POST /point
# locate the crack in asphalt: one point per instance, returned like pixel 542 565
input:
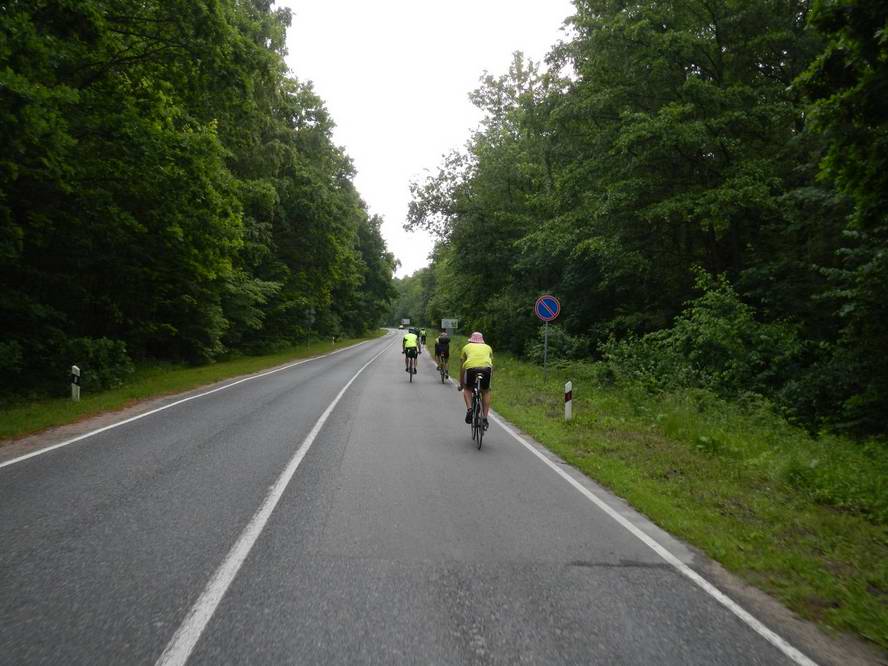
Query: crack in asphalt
pixel 622 564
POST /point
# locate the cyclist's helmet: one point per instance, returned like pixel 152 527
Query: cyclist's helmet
pixel 476 337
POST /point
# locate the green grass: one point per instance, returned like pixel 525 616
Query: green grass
pixel 149 381
pixel 803 519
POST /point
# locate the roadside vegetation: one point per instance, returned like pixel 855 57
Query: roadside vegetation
pixel 803 518
pixel 169 192
pixel 150 381
pixel 666 151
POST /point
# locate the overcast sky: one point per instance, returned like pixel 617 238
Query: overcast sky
pixel 395 75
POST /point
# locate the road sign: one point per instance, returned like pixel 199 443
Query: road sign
pixel 406 322
pixel 449 323
pixel 547 307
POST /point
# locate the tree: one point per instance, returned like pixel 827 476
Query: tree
pixel 848 83
pixel 164 184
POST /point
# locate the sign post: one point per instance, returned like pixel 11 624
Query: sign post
pixel 546 353
pixel 75 383
pixel 547 308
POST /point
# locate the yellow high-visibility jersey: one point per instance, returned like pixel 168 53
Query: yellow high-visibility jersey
pixel 477 355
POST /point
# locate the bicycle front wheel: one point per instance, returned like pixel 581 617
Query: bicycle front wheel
pixel 477 428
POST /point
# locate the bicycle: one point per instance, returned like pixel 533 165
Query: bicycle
pixel 477 412
pixel 442 368
pixel 411 366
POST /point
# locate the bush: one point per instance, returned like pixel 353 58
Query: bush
pixel 562 346
pixel 103 363
pixel 716 344
pixel 505 322
pixel 11 357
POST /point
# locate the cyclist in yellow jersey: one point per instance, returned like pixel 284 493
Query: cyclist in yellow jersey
pixel 477 359
pixel 409 347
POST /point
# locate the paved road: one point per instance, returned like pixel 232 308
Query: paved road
pixel 395 541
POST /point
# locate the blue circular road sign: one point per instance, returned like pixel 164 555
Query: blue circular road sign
pixel 547 307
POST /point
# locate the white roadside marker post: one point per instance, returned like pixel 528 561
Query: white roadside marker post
pixel 75 383
pixel 568 401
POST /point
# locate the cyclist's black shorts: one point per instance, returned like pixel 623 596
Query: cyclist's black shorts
pixel 485 377
pixel 442 351
pixel 411 352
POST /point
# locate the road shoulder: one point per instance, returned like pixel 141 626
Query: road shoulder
pixel 824 648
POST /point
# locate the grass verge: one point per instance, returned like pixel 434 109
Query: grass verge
pixel 803 519
pixel 149 381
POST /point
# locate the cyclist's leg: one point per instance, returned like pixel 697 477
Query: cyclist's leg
pixel 486 395
pixel 467 395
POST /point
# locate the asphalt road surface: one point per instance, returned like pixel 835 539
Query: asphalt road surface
pixel 389 539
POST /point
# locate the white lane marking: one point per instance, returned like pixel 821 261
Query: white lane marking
pixel 173 404
pixel 183 641
pixel 794 654
pixel 775 640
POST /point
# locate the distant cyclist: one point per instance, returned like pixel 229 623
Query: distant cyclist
pixel 442 349
pixel 409 347
pixel 477 359
pixel 422 337
pixel 415 332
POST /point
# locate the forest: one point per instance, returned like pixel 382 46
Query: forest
pixel 169 190
pixel 703 184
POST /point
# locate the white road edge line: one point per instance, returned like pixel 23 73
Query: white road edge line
pixel 775 640
pixel 183 641
pixel 794 654
pixel 173 404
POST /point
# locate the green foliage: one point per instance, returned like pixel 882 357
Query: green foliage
pixel 164 183
pixel 669 136
pixel 716 343
pixel 104 364
pixel 562 346
pixel 847 84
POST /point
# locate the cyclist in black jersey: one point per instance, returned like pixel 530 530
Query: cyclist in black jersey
pixel 442 349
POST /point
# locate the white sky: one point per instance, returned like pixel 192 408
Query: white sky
pixel 395 76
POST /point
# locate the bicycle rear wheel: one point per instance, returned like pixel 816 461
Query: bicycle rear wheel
pixel 410 365
pixel 472 425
